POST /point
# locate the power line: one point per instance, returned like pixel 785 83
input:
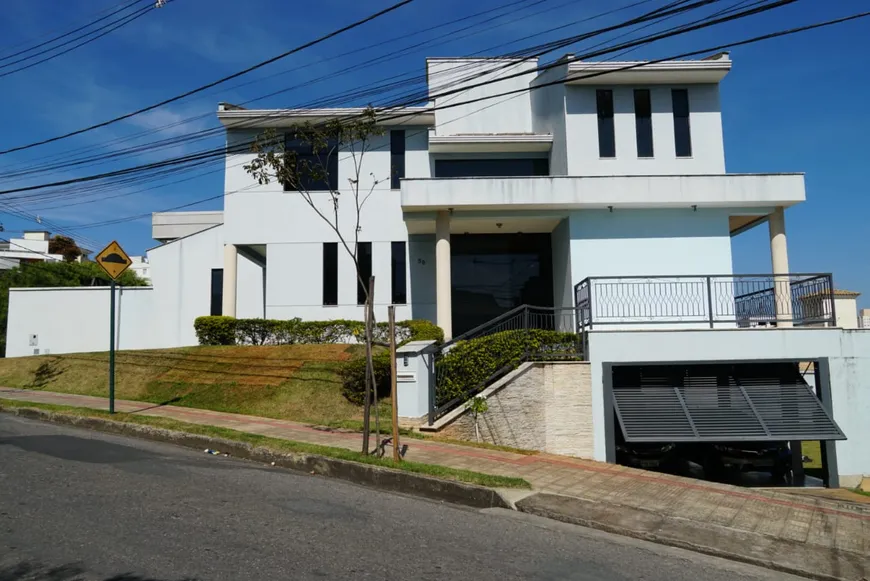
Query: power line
pixel 203 156
pixel 706 50
pixel 671 9
pixel 103 31
pixel 170 142
pixel 214 83
pixel 71 32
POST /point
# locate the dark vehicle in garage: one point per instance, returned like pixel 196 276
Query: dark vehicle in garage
pixel 646 455
pixel 727 459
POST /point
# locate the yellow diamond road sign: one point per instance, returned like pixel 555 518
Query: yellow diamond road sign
pixel 114 260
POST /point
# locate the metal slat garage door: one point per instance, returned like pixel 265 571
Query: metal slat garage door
pixel 719 404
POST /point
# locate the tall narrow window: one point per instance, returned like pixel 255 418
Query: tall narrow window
pixel 643 122
pixel 398 269
pixel 364 257
pixel 397 158
pixel 217 292
pixel 315 172
pixel 606 135
pixel 682 128
pixel 330 273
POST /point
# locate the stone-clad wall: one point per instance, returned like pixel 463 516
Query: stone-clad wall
pixel 543 406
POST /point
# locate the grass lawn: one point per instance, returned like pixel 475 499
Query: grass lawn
pixel 293 382
pixel 280 445
pixel 288 382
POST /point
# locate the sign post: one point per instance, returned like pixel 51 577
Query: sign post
pixel 114 261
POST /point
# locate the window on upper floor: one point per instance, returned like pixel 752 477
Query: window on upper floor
pixel 330 273
pixel 399 274
pixel 491 168
pixel 217 292
pixel 397 158
pixel 316 172
pixel 643 122
pixel 606 131
pixel 364 258
pixel 682 127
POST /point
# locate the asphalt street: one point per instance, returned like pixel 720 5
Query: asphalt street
pixel 79 505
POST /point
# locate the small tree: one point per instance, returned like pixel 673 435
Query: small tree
pixel 66 247
pixel 477 406
pixel 304 160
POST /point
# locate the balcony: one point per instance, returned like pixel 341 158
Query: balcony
pixel 692 302
pixel 570 193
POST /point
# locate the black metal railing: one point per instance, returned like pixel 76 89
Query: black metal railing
pixel 713 301
pixel 516 327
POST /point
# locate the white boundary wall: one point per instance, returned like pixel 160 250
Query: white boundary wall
pixel 76 320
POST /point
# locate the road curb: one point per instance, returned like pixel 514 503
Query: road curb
pixel 365 474
pixel 781 555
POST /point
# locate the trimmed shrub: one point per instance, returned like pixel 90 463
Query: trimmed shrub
pixel 215 330
pixel 256 331
pixel 464 369
pixel 353 377
pixel 230 331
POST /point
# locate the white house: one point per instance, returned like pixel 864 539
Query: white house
pixel 595 186
pixel 33 247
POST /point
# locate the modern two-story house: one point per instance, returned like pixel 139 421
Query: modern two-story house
pixel 595 191
pixel 512 200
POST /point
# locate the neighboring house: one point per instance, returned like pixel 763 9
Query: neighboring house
pixel 865 318
pixel 604 200
pixel 141 267
pixel 845 308
pixel 32 248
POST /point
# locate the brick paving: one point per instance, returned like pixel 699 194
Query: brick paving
pixel 810 519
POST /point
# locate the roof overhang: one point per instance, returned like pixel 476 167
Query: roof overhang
pixel 237 118
pixel 519 142
pixel 711 70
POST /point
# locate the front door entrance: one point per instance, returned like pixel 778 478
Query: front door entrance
pixel 493 273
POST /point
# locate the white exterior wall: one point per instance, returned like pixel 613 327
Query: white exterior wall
pixel 181 277
pixel 85 324
pixel 548 116
pixel 294 234
pixel 649 243
pixel 705 121
pixel 511 114
pixel 848 353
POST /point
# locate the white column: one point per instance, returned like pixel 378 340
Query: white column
pixel 231 265
pixel 444 308
pixel 779 261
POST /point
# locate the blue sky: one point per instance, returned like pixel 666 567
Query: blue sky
pixel 792 104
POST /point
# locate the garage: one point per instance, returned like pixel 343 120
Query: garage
pixel 728 418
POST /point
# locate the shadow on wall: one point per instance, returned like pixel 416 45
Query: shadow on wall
pixel 30 571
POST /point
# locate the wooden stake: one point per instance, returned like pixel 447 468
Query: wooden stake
pixel 394 400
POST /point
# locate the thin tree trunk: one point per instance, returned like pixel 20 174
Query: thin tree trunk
pixel 367 400
pixel 371 318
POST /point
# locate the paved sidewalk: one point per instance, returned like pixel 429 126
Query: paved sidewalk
pixel 806 524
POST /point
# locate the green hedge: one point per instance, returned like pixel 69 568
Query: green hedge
pixel 468 364
pixel 230 331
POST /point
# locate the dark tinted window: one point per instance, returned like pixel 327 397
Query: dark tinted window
pixel 491 168
pixel 643 122
pixel 330 273
pixel 217 292
pixel 398 269
pixel 364 257
pixel 606 135
pixel 682 127
pixel 397 158
pixel 316 172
